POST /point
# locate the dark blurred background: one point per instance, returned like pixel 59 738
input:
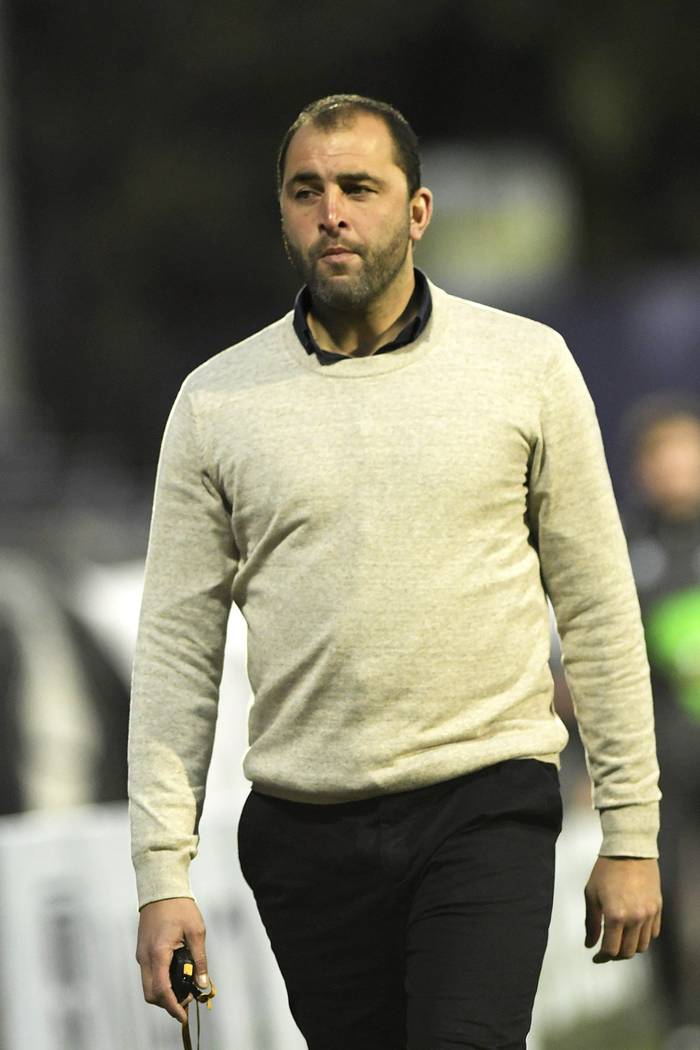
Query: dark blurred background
pixel 139 170
pixel 139 235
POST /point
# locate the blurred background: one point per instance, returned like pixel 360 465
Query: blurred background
pixel 139 235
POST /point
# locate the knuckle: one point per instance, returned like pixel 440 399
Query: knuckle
pixel 158 951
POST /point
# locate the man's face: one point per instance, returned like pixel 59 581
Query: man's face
pixel 668 466
pixel 346 217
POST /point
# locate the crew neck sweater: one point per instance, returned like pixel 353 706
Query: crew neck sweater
pixel 390 529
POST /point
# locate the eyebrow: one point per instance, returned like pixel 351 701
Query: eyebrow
pixel 343 176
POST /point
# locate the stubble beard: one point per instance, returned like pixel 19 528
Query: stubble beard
pixel 351 292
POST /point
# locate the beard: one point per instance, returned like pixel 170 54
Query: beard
pixel 356 291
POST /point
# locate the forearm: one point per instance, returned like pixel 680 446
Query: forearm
pixel 606 668
pixel 587 574
pixel 170 744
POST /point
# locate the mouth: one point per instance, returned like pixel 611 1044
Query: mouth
pixel 337 253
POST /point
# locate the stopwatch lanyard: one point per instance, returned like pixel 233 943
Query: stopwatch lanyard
pixel 205 998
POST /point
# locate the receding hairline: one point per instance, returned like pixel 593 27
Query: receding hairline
pixel 344 110
pixel 329 121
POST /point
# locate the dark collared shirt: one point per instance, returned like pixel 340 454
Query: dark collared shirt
pixel 411 331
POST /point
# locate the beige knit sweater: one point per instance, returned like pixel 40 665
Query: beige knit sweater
pixel 388 526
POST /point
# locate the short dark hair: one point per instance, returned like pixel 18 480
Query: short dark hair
pixel 654 410
pixel 640 421
pixel 334 110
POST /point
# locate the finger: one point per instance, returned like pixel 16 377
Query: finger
pixel 629 945
pixel 165 998
pixel 170 1004
pixel 594 917
pixel 612 939
pixel 146 980
pixel 162 993
pixel 646 935
pixel 656 925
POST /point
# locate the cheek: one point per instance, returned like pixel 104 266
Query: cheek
pixel 297 234
pixel 296 220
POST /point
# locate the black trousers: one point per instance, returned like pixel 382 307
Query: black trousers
pixel 411 921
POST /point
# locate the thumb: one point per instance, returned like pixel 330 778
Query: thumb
pixel 200 970
pixel 196 946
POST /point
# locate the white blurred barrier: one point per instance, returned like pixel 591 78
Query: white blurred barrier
pixel 68 928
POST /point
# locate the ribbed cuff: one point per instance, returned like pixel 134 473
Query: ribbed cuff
pixel 630 831
pixel 160 875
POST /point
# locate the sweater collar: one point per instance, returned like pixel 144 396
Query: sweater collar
pixel 410 331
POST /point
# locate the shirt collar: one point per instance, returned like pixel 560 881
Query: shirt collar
pixel 410 331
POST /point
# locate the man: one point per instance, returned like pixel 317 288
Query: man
pixel 385 481
pixel 661 519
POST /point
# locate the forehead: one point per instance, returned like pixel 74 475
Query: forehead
pixel 363 144
pixel 680 430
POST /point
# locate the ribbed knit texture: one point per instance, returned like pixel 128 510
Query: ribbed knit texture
pixel 387 526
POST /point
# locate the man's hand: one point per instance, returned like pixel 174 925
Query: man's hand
pixel 163 927
pixel 623 898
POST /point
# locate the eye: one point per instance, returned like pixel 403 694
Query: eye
pixel 358 191
pixel 303 195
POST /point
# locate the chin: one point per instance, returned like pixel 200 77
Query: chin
pixel 341 298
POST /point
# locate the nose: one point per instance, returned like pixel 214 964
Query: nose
pixel 331 218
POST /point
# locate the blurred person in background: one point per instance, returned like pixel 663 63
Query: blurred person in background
pixel 63 716
pixel 662 523
pixel 63 699
pixel 386 481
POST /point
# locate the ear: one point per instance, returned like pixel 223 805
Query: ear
pixel 421 211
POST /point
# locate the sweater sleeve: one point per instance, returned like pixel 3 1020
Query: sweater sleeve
pixel 190 566
pixel 586 571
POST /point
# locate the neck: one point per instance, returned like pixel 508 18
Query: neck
pixel 360 333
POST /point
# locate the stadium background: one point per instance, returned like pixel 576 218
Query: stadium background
pixel 139 234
